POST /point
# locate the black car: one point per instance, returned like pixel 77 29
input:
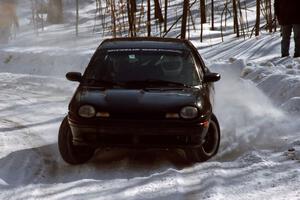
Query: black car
pixel 142 93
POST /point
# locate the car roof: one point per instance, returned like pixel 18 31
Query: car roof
pixel 145 42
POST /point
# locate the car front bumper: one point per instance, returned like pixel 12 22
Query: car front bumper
pixel 138 133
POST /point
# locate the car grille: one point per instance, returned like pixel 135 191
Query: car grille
pixel 138 116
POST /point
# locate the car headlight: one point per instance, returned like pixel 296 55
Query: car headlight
pixel 189 112
pixel 86 111
pixel 200 103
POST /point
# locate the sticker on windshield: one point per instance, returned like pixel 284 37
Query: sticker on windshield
pixel 131 56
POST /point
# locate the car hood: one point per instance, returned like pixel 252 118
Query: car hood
pixel 138 100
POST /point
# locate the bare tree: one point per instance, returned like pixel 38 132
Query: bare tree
pixel 270 16
pixel 166 16
pixel 131 8
pixel 157 11
pixel 184 18
pixel 113 18
pixel 212 15
pixel 235 18
pixel 242 22
pixel 202 11
pixel 148 18
pixel 247 23
pixel 257 24
pixel 203 17
pixel 77 16
pixel 224 12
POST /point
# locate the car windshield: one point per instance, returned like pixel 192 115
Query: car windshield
pixel 143 67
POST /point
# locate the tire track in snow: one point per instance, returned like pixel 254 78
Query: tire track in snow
pixel 28 158
pixel 33 159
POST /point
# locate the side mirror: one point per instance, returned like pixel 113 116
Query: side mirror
pixel 74 76
pixel 211 77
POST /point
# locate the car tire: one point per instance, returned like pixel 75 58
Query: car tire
pixel 209 147
pixel 70 153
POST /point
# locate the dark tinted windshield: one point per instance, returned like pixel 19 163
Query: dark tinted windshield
pixel 134 65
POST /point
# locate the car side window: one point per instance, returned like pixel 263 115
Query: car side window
pixel 199 68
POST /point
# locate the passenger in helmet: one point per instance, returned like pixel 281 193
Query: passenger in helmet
pixel 171 66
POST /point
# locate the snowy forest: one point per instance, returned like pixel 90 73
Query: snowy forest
pixel 153 18
pixel 257 101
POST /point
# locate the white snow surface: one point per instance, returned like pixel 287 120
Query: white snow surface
pixel 257 104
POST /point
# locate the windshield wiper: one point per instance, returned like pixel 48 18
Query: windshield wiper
pixel 104 82
pixel 156 82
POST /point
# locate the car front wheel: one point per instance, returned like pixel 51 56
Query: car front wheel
pixel 69 152
pixel 210 144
